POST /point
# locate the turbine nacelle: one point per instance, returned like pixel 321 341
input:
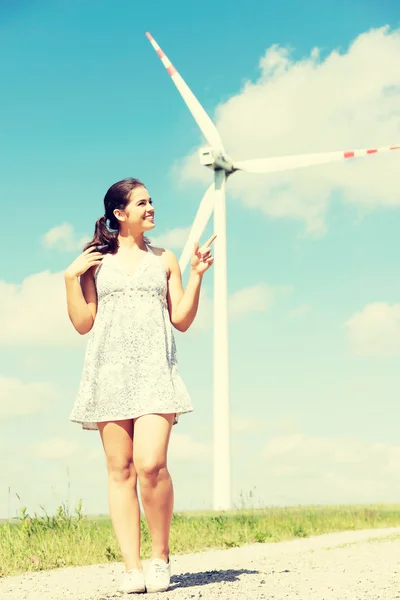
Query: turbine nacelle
pixel 215 160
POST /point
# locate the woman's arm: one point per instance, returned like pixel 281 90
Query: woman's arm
pixel 81 301
pixel 183 304
pixel 81 290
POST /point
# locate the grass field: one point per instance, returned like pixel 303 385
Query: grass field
pixel 49 542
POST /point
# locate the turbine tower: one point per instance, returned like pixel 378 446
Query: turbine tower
pixel 216 158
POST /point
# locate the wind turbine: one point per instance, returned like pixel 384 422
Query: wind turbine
pixel 216 158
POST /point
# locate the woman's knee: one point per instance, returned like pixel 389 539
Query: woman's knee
pixel 121 469
pixel 150 467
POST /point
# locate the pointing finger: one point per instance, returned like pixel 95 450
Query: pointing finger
pixel 210 241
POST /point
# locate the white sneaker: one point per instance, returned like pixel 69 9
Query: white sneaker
pixel 133 582
pixel 158 575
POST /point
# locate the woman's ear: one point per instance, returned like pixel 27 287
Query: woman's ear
pixel 119 214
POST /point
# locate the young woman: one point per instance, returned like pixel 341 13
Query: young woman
pixel 127 294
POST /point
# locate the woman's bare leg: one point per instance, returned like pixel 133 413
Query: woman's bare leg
pixel 152 433
pixel 117 438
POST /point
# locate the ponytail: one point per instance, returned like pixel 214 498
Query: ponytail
pixel 103 236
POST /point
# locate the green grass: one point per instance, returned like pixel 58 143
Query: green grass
pixel 49 542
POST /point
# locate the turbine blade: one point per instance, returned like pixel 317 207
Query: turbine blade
pixel 202 217
pixel 201 117
pixel 286 163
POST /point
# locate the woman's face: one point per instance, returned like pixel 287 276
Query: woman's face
pixel 139 213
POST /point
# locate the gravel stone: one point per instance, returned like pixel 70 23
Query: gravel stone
pixel 353 565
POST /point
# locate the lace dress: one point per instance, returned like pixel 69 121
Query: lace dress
pixel 130 366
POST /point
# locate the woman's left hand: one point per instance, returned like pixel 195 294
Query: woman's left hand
pixel 202 258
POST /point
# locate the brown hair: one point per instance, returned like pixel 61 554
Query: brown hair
pixel 117 196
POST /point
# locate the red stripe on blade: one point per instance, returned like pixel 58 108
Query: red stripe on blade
pixel 149 36
pixel 171 70
pixel 395 148
pixel 160 53
pixel 349 154
pixel 372 151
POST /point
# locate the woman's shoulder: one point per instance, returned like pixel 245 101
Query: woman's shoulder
pixel 168 258
pixel 161 252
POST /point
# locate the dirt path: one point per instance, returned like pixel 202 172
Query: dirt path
pixel 355 565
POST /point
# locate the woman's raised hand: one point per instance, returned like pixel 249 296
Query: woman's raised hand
pixel 87 259
pixel 202 258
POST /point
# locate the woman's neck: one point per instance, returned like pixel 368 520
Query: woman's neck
pixel 131 242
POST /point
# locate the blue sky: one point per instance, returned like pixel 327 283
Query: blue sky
pixel 313 255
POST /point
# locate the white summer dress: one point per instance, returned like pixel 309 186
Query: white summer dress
pixel 130 366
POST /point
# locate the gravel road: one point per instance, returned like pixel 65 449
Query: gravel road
pixel 354 565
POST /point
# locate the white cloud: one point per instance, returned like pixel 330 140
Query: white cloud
pixel 310 456
pixel 95 455
pixel 63 237
pixel 24 398
pixel 203 318
pixel 183 447
pixel 256 298
pixel 375 331
pixel 345 101
pixel 301 310
pixel 175 238
pixel 242 423
pixel 304 469
pixel 35 312
pixel 56 448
